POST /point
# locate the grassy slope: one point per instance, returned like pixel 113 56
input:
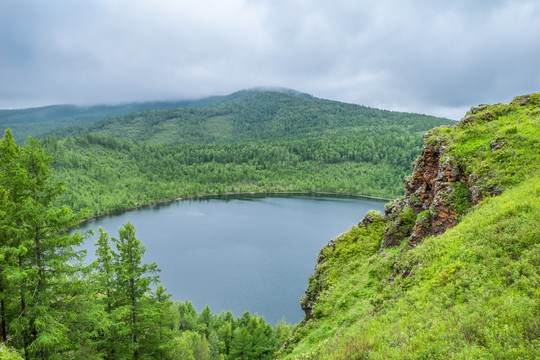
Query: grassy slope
pixel 471 293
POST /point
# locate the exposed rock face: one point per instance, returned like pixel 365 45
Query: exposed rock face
pixel 429 194
pixel 522 99
pixel 431 183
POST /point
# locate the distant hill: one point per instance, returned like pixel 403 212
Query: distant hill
pixel 35 121
pixel 254 140
pixel 39 120
pixel 257 114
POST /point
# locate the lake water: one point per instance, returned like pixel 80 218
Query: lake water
pixel 239 253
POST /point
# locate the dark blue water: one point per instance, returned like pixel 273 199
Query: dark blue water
pixel 240 253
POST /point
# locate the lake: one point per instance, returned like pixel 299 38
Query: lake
pixel 239 253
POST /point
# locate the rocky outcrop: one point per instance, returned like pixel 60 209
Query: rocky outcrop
pixel 432 183
pixel 438 193
pixel 426 209
pixel 429 198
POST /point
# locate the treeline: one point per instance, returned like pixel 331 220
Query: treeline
pixel 52 306
pixel 105 174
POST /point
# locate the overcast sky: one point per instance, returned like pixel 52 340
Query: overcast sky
pixel 427 56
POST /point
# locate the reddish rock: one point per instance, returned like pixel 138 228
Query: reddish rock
pixel 431 186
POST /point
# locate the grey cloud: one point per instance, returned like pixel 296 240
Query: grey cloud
pixel 424 56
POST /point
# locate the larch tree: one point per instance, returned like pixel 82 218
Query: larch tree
pixel 39 254
pixel 133 280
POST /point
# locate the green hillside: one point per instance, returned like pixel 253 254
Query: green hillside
pixel 36 121
pixel 256 115
pixel 250 141
pixel 381 291
pixel 39 120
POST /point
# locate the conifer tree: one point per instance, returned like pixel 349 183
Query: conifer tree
pixel 104 288
pixel 160 326
pixel 133 279
pixel 241 344
pixel 188 316
pixel 10 248
pixel 38 252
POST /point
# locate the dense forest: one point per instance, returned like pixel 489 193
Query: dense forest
pixel 250 141
pixel 53 306
pixel 105 174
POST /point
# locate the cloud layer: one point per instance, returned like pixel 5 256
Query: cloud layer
pixel 435 57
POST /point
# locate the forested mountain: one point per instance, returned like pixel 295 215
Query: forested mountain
pixel 251 115
pixel 39 120
pixel 450 271
pixel 36 121
pixel 249 141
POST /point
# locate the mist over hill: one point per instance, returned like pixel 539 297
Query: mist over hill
pixel 273 111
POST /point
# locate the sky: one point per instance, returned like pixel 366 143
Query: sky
pixel 426 56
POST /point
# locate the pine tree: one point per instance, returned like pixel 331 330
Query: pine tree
pixel 38 252
pixel 11 249
pixel 133 279
pixel 161 325
pixel 282 332
pixel 214 345
pixel 204 321
pixel 241 347
pixel 188 316
pixel 104 292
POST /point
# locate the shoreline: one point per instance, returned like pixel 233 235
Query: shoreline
pixel 198 196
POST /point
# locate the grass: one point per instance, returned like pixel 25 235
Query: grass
pixel 474 292
pixel 471 293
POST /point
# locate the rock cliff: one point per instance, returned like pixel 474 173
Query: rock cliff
pixel 438 193
pixel 430 195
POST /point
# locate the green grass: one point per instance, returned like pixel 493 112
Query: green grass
pixel 471 293
pixel 474 145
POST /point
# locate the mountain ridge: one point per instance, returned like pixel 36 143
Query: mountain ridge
pixel 249 115
pixel 47 119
